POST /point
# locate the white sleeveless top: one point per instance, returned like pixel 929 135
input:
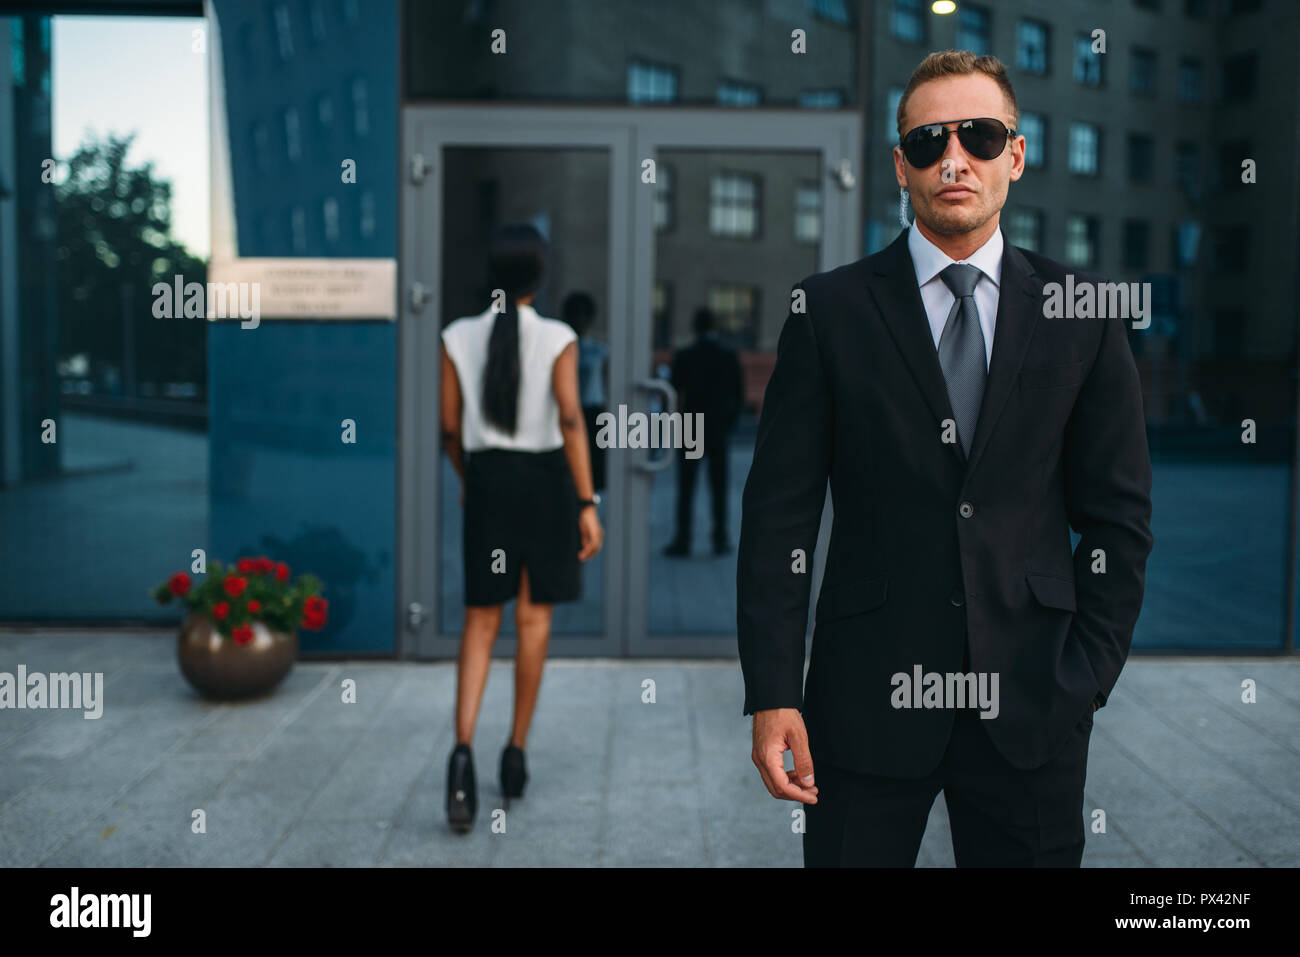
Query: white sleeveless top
pixel 541 341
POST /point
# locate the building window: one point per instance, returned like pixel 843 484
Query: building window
pixel 733 205
pixel 316 20
pixel 1187 166
pixel 1152 5
pixel 1142 71
pixel 1230 158
pixel 1243 6
pixel 822 99
pixel 298 229
pixel 324 112
pixel 366 216
pixel 360 106
pixel 1031 46
pixel 1231 244
pixel 1033 127
pixel 1141 157
pixel 1084 151
pixel 893 98
pixel 906 20
pixel 1137 240
pixel 283 34
pixel 663 212
pixel 292 135
pixel 651 83
pixel 661 314
pixel 1087 65
pixel 733 93
pixel 974 29
pixel 1191 81
pixel 837 11
pixel 1186 242
pixel 736 309
pixel 1239 74
pixel 808 213
pixel 330 217
pixel 1025 229
pixel 1196 8
pixel 1081 240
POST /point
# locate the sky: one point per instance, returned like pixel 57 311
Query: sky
pixel 118 74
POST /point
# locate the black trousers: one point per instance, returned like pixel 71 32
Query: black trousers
pixel 715 453
pixel 1000 816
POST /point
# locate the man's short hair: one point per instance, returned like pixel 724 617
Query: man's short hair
pixel 959 63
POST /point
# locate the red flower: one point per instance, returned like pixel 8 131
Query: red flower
pixel 246 566
pixel 242 634
pixel 179 583
pixel 220 610
pixel 264 565
pixel 281 572
pixel 254 606
pixel 235 585
pixel 314 613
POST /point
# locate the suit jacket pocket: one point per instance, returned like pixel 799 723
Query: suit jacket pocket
pixel 1052 592
pixel 1052 377
pixel 850 598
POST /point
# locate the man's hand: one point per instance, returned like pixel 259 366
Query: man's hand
pixel 777 730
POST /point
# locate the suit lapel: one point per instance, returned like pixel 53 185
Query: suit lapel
pixel 894 289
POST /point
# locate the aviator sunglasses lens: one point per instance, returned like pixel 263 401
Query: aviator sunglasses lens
pixel 982 138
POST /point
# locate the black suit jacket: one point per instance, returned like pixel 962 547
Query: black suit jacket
pixel 709 380
pixel 926 547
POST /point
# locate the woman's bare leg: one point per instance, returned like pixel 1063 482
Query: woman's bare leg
pixel 533 622
pixel 472 664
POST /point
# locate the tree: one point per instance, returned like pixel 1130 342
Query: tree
pixel 114 230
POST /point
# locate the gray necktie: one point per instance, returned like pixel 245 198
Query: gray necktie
pixel 961 351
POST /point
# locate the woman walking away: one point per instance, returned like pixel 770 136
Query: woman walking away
pixel 513 427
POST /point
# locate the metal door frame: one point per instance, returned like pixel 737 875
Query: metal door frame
pixel 426 132
pixel 630 134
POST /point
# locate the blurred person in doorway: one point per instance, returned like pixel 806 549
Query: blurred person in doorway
pixel 708 380
pixel 579 311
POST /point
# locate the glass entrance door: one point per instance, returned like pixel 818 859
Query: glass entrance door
pixel 468 175
pixel 657 216
pixel 744 206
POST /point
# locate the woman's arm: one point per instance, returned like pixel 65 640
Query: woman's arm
pixel 572 423
pixel 450 416
pixel 564 382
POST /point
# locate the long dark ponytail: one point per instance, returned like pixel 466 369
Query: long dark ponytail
pixel 516 260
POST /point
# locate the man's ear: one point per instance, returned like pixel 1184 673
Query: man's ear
pixel 898 167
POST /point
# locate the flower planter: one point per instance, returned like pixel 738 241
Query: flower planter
pixel 221 669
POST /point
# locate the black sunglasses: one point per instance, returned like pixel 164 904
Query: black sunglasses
pixel 983 138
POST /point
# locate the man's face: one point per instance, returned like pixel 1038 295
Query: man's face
pixel 959 193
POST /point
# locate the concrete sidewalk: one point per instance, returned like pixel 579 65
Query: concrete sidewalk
pixel 1186 773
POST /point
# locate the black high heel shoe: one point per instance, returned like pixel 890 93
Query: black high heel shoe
pixel 514 775
pixel 462 790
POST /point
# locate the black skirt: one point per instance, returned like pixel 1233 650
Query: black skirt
pixel 521 511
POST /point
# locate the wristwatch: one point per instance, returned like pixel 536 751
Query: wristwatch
pixel 594 500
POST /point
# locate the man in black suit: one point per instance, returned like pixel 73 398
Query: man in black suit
pixel 708 380
pixel 959 645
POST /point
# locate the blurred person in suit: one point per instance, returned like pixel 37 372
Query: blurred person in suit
pixel 709 380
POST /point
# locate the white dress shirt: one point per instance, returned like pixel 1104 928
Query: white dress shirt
pixel 929 260
pixel 541 340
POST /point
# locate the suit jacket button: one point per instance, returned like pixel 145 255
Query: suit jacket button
pixel 966 509
pixel 957 597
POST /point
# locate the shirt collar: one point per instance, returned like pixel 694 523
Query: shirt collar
pixel 929 260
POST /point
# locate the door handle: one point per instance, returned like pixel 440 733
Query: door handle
pixel 664 388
